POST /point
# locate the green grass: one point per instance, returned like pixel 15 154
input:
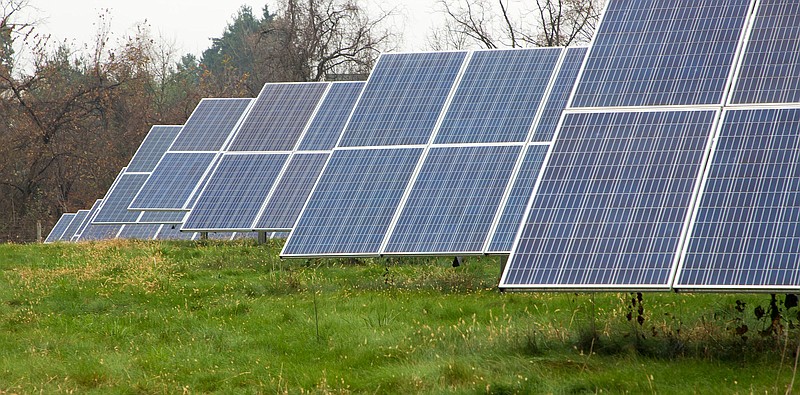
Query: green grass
pixel 149 317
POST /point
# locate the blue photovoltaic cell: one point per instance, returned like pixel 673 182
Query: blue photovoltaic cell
pixel 100 232
pixel 292 192
pixel 235 192
pixel 116 202
pixel 771 65
pixel 153 148
pixel 327 125
pixel 559 95
pixel 72 229
pixel 173 232
pixel 746 233
pixel 403 99
pixel 278 117
pixel 210 125
pixel 498 96
pixel 59 228
pixel 162 217
pixel 172 182
pixel 88 219
pixel 139 231
pixel 514 209
pixel 656 52
pixel 353 203
pixel 612 202
pixel 454 200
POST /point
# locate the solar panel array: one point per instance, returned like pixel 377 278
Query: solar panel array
pixel 435 185
pixel 663 156
pixel 178 175
pixel 264 166
pixel 59 228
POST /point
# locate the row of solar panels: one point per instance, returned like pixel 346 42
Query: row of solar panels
pixel 670 164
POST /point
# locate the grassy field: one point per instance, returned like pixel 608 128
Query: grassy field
pixel 150 317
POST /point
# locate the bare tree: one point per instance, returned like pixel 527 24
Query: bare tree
pixel 320 37
pixel 515 24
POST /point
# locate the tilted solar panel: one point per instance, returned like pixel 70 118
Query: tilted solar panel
pixel 153 147
pixel 173 181
pixel 559 94
pixel 498 96
pixel 746 233
pixel 454 200
pixel 162 217
pixel 139 231
pixel 514 207
pixel 100 232
pixel 403 99
pixel 656 52
pixel 210 125
pixel 327 125
pixel 613 202
pixel 353 202
pixel 87 220
pixel 278 117
pixel 173 232
pixel 119 197
pixel 771 61
pixel 77 222
pixel 291 193
pixel 235 193
pixel 59 228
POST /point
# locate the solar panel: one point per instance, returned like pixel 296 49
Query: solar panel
pixel 498 96
pixel 280 113
pixel 73 227
pixel 291 193
pixel 173 181
pixel 746 233
pixel 403 99
pixel 119 197
pixel 153 147
pixel 613 201
pixel 173 232
pixel 100 232
pixel 559 94
pixel 327 125
pixel 139 231
pixel 87 220
pixel 514 207
pixel 454 200
pixel 210 125
pixel 771 61
pixel 59 228
pixel 235 193
pixel 655 52
pixel 353 203
pixel 162 217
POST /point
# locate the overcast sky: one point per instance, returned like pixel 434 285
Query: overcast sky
pixel 189 23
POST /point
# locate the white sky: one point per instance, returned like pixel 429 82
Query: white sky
pixel 190 24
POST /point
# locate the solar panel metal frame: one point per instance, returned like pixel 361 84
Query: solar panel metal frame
pixel 683 238
pixel 684 251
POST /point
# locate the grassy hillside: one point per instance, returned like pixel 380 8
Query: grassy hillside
pixel 149 317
